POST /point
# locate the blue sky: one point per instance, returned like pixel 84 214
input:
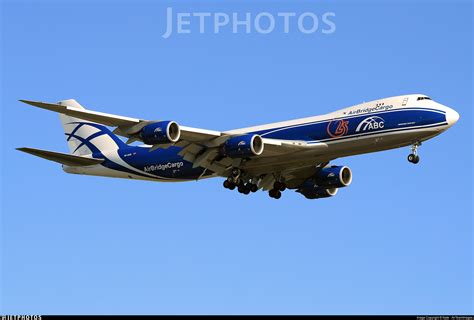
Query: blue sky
pixel 398 240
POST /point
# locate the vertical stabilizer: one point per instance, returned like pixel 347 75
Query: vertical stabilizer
pixel 84 137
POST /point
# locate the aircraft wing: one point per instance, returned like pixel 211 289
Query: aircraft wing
pixel 126 126
pixel 199 146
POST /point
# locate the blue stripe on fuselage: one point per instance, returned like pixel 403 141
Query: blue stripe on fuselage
pixel 352 126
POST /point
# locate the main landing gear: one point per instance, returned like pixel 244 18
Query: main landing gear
pixel 242 187
pixel 246 184
pixel 413 156
pixel 278 187
pixel 235 181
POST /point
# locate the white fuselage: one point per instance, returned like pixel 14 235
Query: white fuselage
pixel 368 127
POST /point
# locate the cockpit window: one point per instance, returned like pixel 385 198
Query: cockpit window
pixel 423 98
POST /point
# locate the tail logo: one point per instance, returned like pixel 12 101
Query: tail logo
pixel 84 132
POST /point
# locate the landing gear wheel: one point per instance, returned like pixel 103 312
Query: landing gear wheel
pixel 276 194
pixel 413 158
pixel 253 187
pixel 243 189
pixel 416 160
pixel 229 185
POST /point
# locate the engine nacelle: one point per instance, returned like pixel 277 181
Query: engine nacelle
pixel 160 132
pixel 334 177
pixel 243 146
pixel 312 191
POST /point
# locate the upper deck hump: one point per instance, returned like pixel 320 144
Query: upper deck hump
pixel 383 104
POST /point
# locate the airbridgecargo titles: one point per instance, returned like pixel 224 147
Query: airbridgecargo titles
pixel 274 157
pixel 163 167
pixel 367 110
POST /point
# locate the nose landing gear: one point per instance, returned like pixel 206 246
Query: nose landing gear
pixel 413 156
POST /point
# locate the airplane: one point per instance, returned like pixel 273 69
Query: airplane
pixel 293 154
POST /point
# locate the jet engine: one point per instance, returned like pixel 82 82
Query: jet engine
pixel 334 177
pixel 312 191
pixel 243 146
pixel 160 132
pixel 326 182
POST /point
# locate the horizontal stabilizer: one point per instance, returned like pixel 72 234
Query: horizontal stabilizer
pixel 63 158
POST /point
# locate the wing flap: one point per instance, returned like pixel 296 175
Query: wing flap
pixel 197 135
pixel 279 147
pixel 63 158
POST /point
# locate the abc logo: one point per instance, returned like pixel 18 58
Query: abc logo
pixel 375 125
pixel 371 123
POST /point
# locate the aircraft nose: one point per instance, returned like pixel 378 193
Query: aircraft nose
pixel 451 116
